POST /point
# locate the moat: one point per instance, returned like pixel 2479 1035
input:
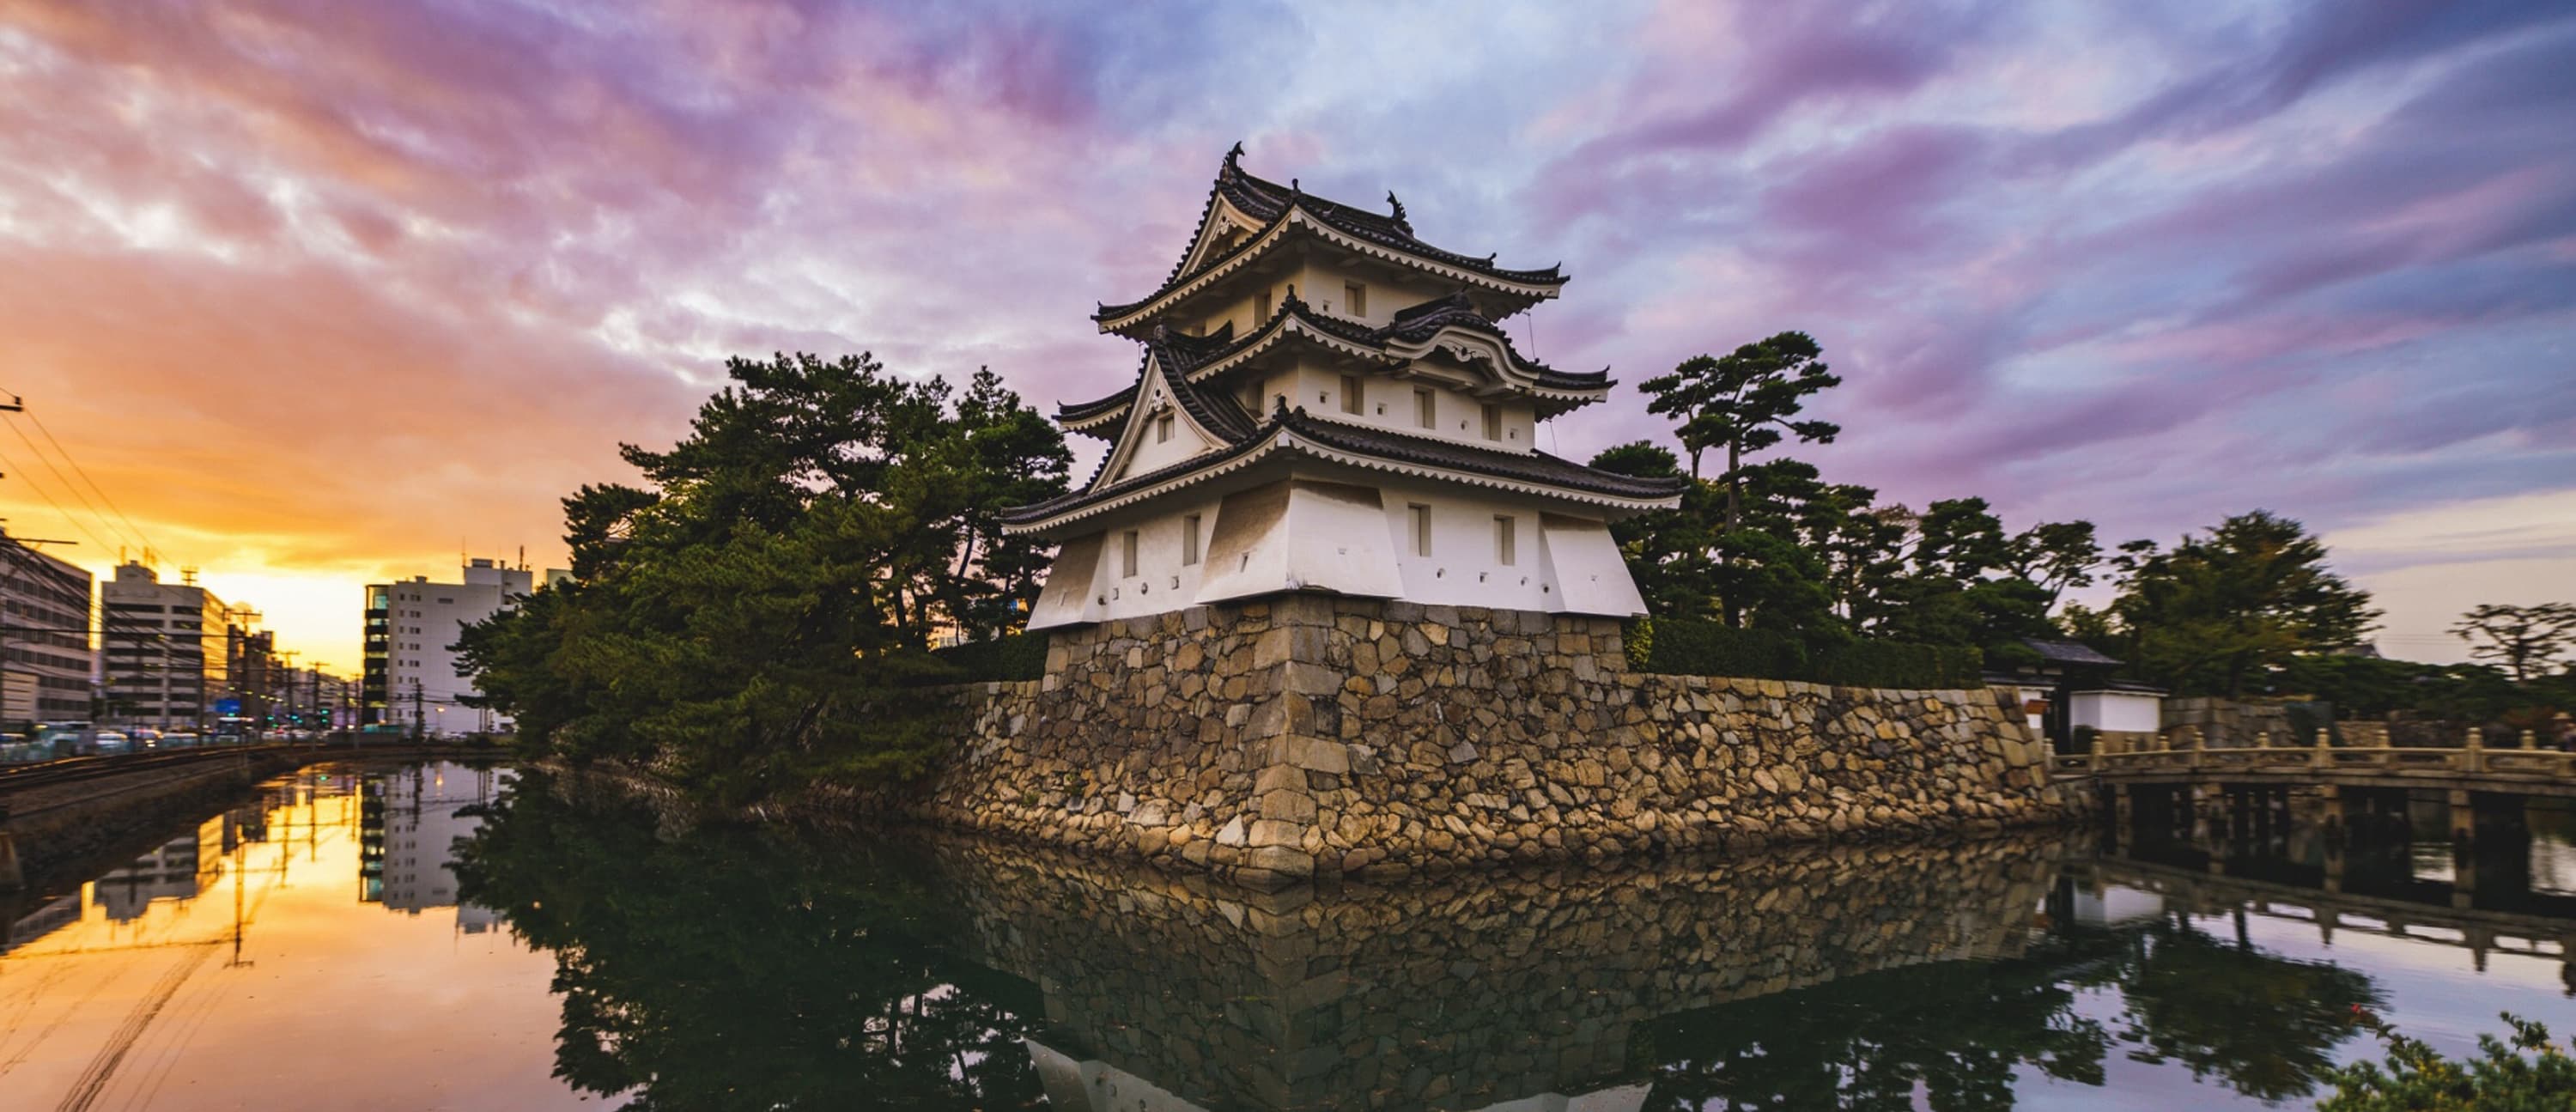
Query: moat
pixel 446 936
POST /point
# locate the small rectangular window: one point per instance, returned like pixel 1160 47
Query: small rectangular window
pixel 1504 549
pixel 1421 528
pixel 1260 308
pixel 1127 554
pixel 1189 540
pixel 1493 422
pixel 1351 397
pixel 1355 296
pixel 1422 409
pixel 1163 428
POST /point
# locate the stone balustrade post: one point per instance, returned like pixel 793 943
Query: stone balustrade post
pixel 2323 756
pixel 2531 739
pixel 2473 754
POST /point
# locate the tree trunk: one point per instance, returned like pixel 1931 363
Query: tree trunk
pixel 1734 517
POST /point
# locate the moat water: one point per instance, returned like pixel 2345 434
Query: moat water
pixel 441 936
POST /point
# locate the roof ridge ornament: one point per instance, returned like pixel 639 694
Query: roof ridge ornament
pixel 1398 214
pixel 1234 159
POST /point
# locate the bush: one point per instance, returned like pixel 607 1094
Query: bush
pixel 2525 1071
pixel 1697 647
pixel 1017 656
pixel 1896 664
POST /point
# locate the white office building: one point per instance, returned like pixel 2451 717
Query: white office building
pixel 166 649
pixel 411 630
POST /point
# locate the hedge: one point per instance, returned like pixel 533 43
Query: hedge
pixel 1698 647
pixel 1016 656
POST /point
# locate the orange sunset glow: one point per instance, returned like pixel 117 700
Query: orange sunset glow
pixel 318 295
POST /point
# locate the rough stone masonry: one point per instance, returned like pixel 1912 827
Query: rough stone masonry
pixel 1312 735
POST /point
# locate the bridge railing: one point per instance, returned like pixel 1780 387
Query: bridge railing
pixel 2185 751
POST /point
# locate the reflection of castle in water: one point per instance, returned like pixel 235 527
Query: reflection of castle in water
pixel 1163 994
pixel 410 822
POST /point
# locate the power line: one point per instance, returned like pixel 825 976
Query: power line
pixel 49 500
pixel 83 472
pixel 68 485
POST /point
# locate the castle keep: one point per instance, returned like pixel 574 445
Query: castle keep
pixel 1327 403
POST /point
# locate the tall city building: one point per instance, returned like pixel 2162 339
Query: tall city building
pixel 165 649
pixel 46 655
pixel 411 627
pixel 314 699
pixel 257 677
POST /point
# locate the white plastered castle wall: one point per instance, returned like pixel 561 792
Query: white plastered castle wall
pixel 1328 534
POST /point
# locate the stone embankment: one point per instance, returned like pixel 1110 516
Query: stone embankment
pixel 1312 735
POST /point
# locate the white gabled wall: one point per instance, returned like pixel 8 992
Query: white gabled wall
pixel 1089 581
pixel 1309 534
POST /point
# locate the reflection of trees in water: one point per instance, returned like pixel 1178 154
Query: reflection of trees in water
pixel 726 970
pixel 1958 1029
pixel 2263 1025
pixel 738 969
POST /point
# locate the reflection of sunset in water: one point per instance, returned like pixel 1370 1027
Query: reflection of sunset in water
pixel 320 947
pixel 256 960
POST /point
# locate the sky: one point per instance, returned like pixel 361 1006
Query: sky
pixel 309 294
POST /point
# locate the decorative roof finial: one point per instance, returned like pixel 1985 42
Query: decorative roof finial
pixel 1235 155
pixel 1397 205
pixel 1295 188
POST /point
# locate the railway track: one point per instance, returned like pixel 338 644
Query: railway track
pixel 70 770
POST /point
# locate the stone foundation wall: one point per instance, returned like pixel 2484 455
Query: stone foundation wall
pixel 2227 723
pixel 1313 735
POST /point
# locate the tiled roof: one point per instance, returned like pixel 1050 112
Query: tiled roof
pixel 1423 321
pixel 1269 202
pixel 1414 324
pixel 1386 446
pixel 2067 652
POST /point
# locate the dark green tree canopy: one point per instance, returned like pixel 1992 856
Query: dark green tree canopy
pixel 1746 401
pixel 2252 593
pixel 746 613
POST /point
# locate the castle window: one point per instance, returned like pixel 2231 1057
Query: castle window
pixel 1422 411
pixel 1189 540
pixel 1127 553
pixel 1260 308
pixel 1504 549
pixel 1355 297
pixel 1351 398
pixel 1421 528
pixel 1163 428
pixel 1493 422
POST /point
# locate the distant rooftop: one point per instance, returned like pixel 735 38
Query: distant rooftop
pixel 2068 653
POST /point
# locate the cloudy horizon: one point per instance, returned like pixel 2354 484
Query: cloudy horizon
pixel 323 293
